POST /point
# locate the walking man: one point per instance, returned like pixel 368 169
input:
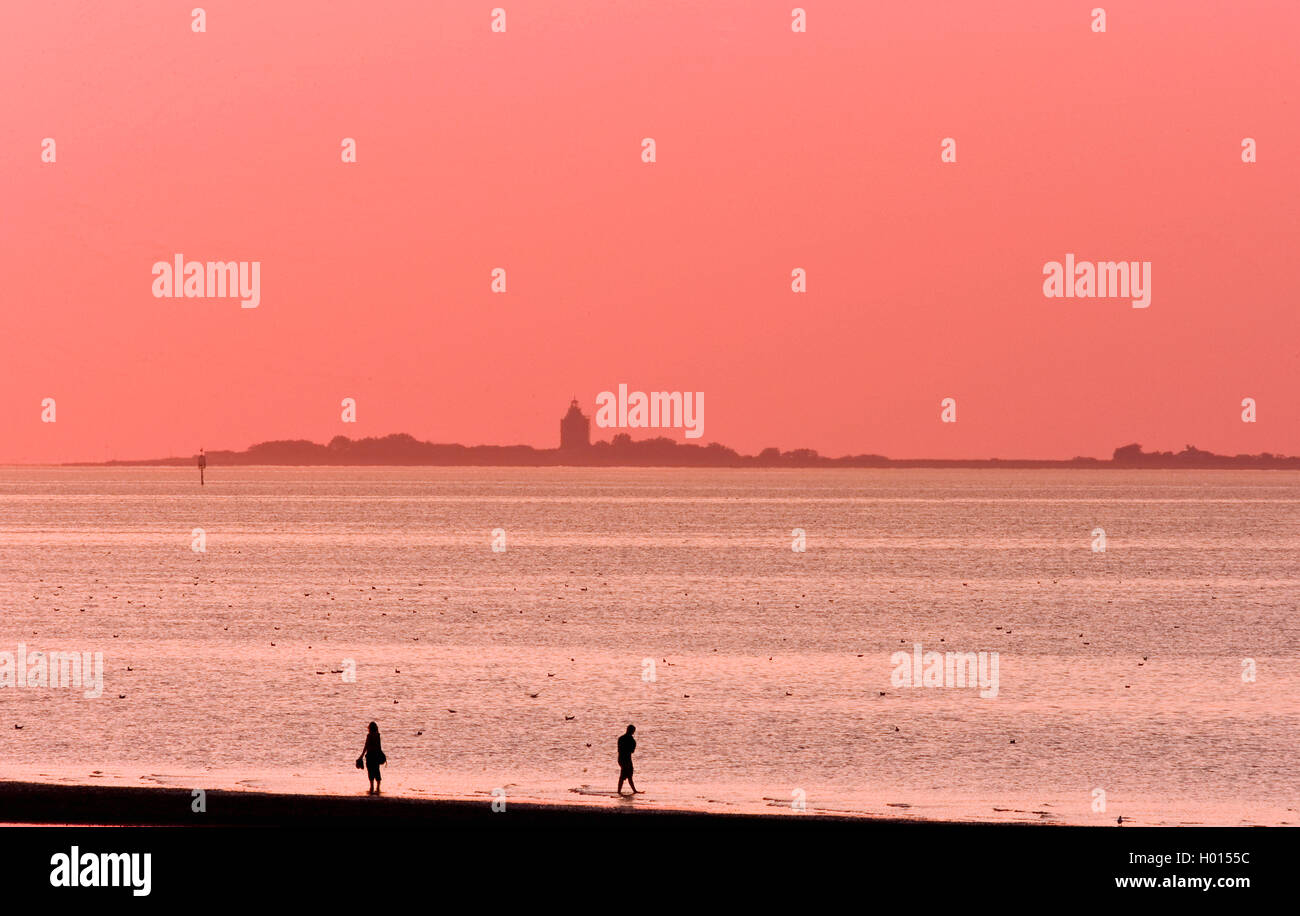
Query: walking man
pixel 626 745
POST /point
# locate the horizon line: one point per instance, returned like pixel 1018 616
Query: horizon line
pixel 622 445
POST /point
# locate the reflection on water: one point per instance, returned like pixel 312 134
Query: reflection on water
pixel 1119 671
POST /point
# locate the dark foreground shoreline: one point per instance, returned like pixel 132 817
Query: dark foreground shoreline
pixel 29 803
pixel 327 848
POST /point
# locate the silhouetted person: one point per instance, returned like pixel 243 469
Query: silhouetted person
pixel 626 745
pixel 203 463
pixel 374 755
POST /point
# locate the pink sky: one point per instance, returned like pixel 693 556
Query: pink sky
pixel 775 150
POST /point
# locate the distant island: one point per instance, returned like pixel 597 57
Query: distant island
pixel 577 450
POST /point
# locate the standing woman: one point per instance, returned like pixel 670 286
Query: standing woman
pixel 374 758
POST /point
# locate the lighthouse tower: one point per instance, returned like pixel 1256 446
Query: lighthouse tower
pixel 575 428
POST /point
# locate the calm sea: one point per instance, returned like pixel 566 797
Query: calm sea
pixel 756 675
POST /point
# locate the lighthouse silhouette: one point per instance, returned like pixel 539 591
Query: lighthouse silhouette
pixel 575 428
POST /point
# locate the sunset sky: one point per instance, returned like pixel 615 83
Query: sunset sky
pixel 775 150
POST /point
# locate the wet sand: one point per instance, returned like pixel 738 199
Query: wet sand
pixel 62 805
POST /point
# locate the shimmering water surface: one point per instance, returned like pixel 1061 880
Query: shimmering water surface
pixel 1119 671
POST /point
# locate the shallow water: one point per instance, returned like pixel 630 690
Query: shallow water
pixel 1119 671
